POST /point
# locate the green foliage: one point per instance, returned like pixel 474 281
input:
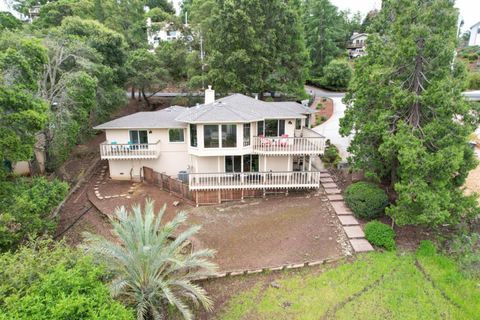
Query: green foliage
pixel 337 75
pixel 465 249
pixel 25 208
pixel 474 81
pixel 326 32
pixel 147 73
pixel 53 13
pixel 426 249
pixel 366 200
pixel 403 106
pixel 392 286
pixel 9 22
pixel 255 46
pixel 331 156
pixel 48 280
pixel 380 235
pixel 145 258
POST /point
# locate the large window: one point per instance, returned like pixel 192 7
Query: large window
pixel 233 163
pixel 138 136
pixel 229 136
pixel 271 128
pixel 210 136
pixel 176 135
pixel 246 134
pixel 193 135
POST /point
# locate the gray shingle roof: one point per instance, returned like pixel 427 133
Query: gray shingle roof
pixel 233 108
pixel 241 108
pixel 164 118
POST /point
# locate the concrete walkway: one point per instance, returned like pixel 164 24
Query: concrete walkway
pixel 350 224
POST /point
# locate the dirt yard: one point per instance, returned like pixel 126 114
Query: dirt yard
pixel 251 234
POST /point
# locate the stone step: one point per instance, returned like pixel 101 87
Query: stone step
pixel 326 180
pixel 330 185
pixel 354 232
pixel 348 220
pixel 333 191
pixel 325 175
pixel 335 197
pixel 341 208
pixel 361 245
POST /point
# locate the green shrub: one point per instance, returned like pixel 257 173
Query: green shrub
pixel 331 157
pixel 474 81
pixel 380 235
pixel 366 200
pixel 25 205
pixel 337 75
pixel 49 280
pixel 473 57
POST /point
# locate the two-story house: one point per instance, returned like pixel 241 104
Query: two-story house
pixel 236 142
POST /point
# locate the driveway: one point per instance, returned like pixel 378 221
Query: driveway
pixel 330 128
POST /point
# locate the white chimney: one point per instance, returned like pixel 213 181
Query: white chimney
pixel 209 95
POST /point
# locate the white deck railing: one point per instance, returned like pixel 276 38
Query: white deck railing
pixel 129 151
pixel 287 145
pixel 254 180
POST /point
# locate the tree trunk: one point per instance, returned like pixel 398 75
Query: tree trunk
pixel 133 93
pixel 149 106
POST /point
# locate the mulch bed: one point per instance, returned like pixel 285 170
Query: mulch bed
pixel 326 109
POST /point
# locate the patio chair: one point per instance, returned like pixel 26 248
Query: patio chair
pixel 284 140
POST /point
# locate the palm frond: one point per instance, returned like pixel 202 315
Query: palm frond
pixel 148 267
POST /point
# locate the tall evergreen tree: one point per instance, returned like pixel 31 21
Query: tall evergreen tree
pixel 326 31
pixel 410 121
pixel 258 46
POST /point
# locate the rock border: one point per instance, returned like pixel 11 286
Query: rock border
pixel 283 267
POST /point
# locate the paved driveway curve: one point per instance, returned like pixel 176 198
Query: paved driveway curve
pixel 330 128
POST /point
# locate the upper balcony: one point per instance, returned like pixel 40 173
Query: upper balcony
pixel 126 151
pixel 310 142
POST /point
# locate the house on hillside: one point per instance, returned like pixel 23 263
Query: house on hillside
pixel 235 143
pixel 475 35
pixel 161 31
pixel 356 45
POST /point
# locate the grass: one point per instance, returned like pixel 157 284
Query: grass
pixel 375 286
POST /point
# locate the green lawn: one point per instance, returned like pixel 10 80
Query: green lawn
pixel 375 286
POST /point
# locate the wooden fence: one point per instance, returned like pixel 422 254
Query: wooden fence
pixel 174 186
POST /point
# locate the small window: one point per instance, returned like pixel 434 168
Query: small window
pixel 176 135
pixel 246 134
pixel 298 124
pixel 193 135
pixel 260 128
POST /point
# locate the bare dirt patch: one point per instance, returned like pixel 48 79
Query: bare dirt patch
pixel 252 234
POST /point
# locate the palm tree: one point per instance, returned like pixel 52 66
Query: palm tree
pixel 149 265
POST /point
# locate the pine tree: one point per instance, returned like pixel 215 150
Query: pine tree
pixel 410 121
pixel 257 46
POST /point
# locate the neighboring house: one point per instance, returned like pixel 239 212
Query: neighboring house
pixel 356 46
pixel 475 35
pixel 161 31
pixel 234 143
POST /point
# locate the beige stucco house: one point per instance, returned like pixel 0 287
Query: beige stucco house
pixel 236 142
